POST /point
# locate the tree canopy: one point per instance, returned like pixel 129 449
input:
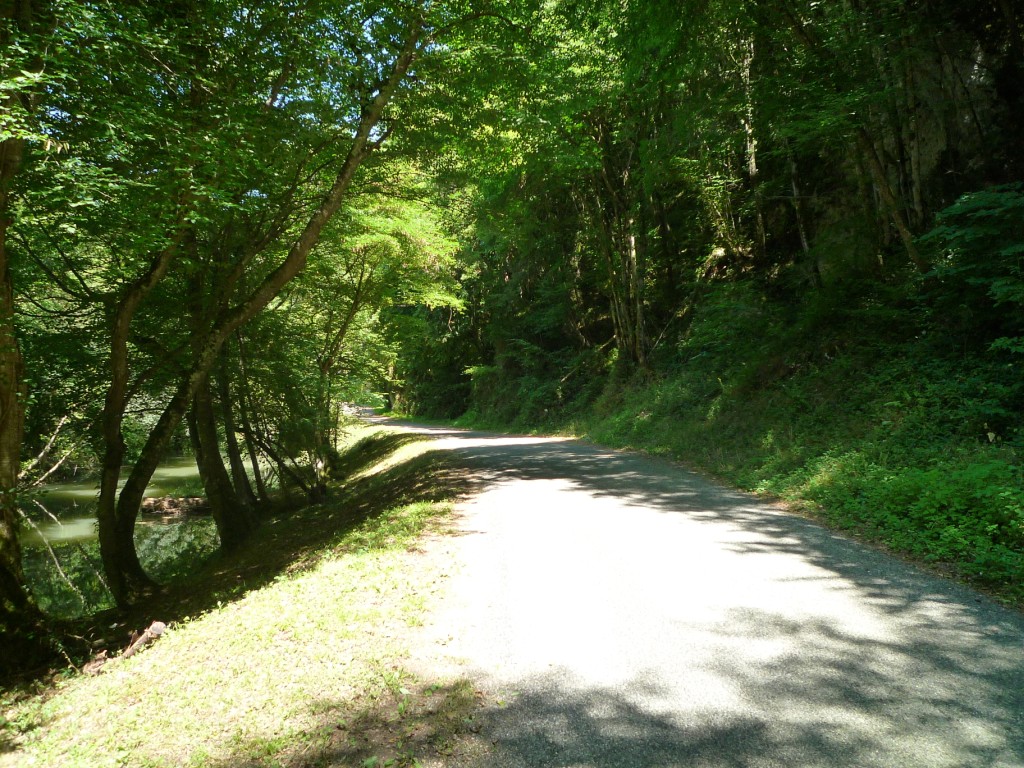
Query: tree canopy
pixel 220 221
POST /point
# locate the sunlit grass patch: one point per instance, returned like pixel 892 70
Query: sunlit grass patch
pixel 367 446
pixel 246 672
pixel 405 452
pixel 290 637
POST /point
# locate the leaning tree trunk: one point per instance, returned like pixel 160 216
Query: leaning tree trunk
pixel 126 584
pixel 125 574
pixel 207 352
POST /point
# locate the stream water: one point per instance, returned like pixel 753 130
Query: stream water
pixel 65 512
pixel 61 555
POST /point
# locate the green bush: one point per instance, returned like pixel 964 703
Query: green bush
pixel 969 512
pixel 892 437
pixel 978 245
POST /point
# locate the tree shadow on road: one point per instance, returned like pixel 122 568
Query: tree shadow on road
pixel 947 689
pixel 649 482
pixel 828 702
pixel 831 700
pixel 942 685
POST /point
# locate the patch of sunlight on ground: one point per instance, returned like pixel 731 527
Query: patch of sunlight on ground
pixel 404 454
pixel 455 442
pixel 244 673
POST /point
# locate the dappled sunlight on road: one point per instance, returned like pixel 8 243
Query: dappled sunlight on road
pixel 624 603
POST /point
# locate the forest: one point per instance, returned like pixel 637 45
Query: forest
pixel 781 240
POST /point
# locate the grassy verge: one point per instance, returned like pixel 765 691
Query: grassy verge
pixel 288 653
pixel 956 505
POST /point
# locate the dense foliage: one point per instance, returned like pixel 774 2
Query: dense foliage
pixel 206 206
pixel 781 239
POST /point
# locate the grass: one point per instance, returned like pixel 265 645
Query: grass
pixel 832 447
pixel 288 653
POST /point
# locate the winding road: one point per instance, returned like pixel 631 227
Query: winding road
pixel 623 611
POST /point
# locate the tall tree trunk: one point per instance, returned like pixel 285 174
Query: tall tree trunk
pixel 16 606
pixel 239 477
pixel 636 291
pixel 18 612
pixel 801 225
pixel 617 296
pixel 125 574
pixel 615 228
pixel 913 138
pixel 325 434
pixel 888 197
pixel 129 584
pixel 753 172
pixel 246 422
pixel 865 144
pixel 234 520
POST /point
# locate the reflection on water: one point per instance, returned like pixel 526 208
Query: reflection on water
pixel 58 531
pixel 76 587
pixel 66 577
pixel 66 512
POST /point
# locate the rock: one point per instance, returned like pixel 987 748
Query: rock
pixel 95 665
pixel 140 641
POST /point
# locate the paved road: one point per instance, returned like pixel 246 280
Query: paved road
pixel 630 613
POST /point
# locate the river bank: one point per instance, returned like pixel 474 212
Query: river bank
pixel 289 648
pixel 60 550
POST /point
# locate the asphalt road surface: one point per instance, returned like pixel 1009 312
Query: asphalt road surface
pixel 627 612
